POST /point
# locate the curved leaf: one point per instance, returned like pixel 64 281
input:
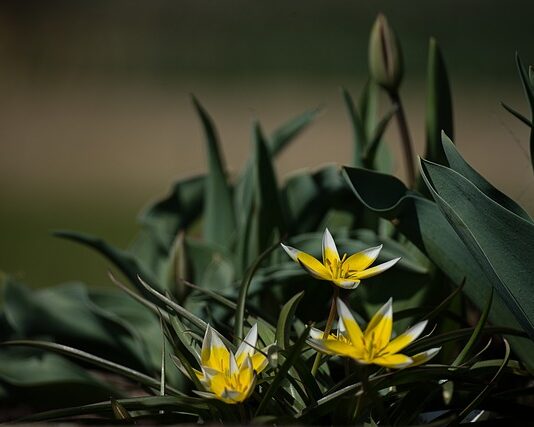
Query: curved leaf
pixel 499 240
pixel 219 219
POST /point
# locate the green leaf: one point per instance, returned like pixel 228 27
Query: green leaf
pixel 243 291
pixel 474 338
pixel 177 211
pixel 263 220
pixel 358 130
pixel 48 380
pixel 480 397
pixel 124 261
pixel 293 354
pixel 219 219
pixel 423 224
pixel 499 240
pixel 92 359
pixel 439 116
pixel 154 403
pixel 456 162
pixel 287 132
pixel 285 320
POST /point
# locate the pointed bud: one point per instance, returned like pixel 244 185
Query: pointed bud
pixel 385 55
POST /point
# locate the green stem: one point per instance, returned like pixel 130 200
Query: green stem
pixel 407 147
pixel 327 329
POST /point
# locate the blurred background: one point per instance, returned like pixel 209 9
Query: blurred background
pixel 96 119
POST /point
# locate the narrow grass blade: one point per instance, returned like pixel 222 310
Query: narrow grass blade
pixel 292 356
pixel 285 320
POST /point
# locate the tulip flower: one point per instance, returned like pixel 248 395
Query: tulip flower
pixel 345 272
pixel 225 376
pixel 374 345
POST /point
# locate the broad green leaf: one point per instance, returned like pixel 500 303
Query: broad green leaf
pixel 92 359
pixel 69 314
pixel 439 116
pixel 456 162
pixel 48 380
pixel 285 320
pixel 423 224
pixel 499 240
pixel 218 219
pixel 177 211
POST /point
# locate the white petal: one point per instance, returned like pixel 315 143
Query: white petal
pixel 347 284
pixel 316 333
pixel 416 330
pixel 330 245
pixel 343 311
pixel 377 269
pixel 292 252
pixel 248 345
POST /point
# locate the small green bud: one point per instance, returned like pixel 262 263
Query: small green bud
pixel 385 55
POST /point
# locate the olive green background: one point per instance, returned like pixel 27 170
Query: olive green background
pixel 95 117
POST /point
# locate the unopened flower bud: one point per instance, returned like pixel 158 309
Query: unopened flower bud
pixel 385 55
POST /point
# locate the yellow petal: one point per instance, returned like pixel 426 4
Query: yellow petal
pixel 379 328
pixel 425 356
pixel 214 353
pixel 361 260
pixel 259 362
pixel 373 271
pixel 406 338
pixel 330 254
pixel 351 327
pixel 246 372
pixel 396 361
pixel 334 347
pixel 313 266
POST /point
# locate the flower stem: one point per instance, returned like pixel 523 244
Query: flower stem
pixel 407 147
pixel 327 329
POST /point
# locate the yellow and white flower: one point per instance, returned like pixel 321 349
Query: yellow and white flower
pixel 225 376
pixel 374 345
pixel 345 272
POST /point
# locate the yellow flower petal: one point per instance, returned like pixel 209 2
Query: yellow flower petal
pixel 361 260
pixel 351 327
pixel 214 353
pixel 406 338
pixel 373 271
pixel 313 266
pixel 259 362
pixel 330 254
pixel 379 329
pixel 334 347
pixel 396 361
